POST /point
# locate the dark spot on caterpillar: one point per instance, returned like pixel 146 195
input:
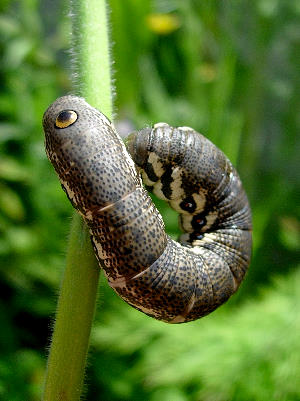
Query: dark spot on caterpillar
pixel 188 204
pixel 196 236
pixel 187 186
pixel 127 251
pixel 149 188
pixel 150 172
pixel 198 221
pixel 166 180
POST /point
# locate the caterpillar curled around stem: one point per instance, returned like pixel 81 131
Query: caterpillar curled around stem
pixel 170 281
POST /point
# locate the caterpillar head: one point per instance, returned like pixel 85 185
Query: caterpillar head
pixel 69 123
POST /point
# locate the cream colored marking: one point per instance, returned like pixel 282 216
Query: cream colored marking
pixel 146 179
pixel 200 201
pixel 186 223
pixel 101 253
pixel 89 215
pixel 177 319
pixel 184 128
pixel 210 237
pixel 160 125
pixel 71 193
pixel 177 190
pixel 156 164
pixel 141 273
pixel 157 190
pixel 110 282
pixel 197 249
pixel 119 282
pixel 107 263
pixel 235 282
pixel 211 218
pixel 190 304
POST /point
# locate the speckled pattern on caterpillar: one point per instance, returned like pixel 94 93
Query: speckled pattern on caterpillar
pixel 170 281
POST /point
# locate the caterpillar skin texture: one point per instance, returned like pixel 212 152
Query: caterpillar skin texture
pixel 170 281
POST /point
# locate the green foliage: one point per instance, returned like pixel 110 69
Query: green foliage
pixel 238 353
pixel 229 70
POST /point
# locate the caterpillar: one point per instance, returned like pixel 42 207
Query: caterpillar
pixel 171 281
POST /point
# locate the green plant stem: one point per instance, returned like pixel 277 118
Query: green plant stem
pixel 78 293
pixel 90 48
pixel 74 317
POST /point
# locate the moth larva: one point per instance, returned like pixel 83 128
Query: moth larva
pixel 170 281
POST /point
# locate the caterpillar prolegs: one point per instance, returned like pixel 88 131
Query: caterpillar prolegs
pixel 170 281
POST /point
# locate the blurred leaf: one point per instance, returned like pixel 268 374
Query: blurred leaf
pixel 21 373
pixel 10 131
pixel 290 232
pixel 12 170
pixel 207 72
pixel 268 8
pixel 219 357
pixel 163 24
pixel 19 48
pixel 11 204
pixel 8 27
pixel 22 239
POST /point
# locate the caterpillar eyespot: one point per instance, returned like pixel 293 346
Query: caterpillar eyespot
pixel 171 281
pixel 65 119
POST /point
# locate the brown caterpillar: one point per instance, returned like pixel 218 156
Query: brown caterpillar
pixel 170 281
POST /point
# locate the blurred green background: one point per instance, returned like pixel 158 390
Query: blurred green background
pixel 229 69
